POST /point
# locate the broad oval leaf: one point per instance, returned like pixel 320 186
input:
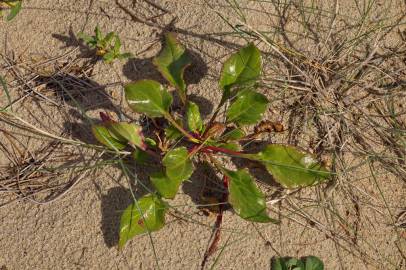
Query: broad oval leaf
pixel 242 68
pixel 102 134
pixel 171 62
pixel 292 167
pixel 128 131
pixel 193 117
pixel 178 165
pixel 246 198
pixel 165 186
pixel 247 108
pixel 145 215
pixel 148 97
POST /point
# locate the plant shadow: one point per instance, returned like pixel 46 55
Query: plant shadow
pixel 81 95
pixel 205 188
pixel 112 205
pixel 71 40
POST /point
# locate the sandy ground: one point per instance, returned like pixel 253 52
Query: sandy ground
pixel 79 231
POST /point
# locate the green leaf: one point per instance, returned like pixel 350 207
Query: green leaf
pixel 140 156
pixel 313 263
pixel 108 57
pixel 128 132
pixel 278 264
pixel 248 107
pixel 245 198
pixel 242 68
pixel 145 215
pixel 295 264
pixel 233 135
pixel 103 135
pixel 178 165
pixel 292 167
pixel 194 119
pixel 164 185
pixel 98 34
pixel 109 37
pixel 117 45
pixel 150 142
pixel 148 97
pixel 16 8
pixel 171 62
pixel 172 133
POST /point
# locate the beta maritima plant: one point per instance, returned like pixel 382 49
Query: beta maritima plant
pixel 183 139
pixel 108 46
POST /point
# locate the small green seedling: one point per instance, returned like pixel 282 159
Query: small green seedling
pixel 13 6
pixel 306 263
pixel 108 47
pixel 178 142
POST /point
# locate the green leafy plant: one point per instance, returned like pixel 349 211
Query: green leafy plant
pixel 107 47
pixel 305 263
pixel 179 141
pixel 13 6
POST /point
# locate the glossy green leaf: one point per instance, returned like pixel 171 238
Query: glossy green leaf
pixel 193 117
pixel 150 142
pixel 247 108
pixel 103 135
pixel 165 186
pixel 148 97
pixel 147 214
pixel 128 132
pixel 313 263
pixel 245 197
pixel 242 68
pixel 15 9
pixel 233 135
pixel 178 165
pixel 292 167
pixel 171 62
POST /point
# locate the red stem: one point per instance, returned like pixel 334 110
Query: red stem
pixel 217 225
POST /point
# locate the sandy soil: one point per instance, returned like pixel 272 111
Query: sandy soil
pixel 79 231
